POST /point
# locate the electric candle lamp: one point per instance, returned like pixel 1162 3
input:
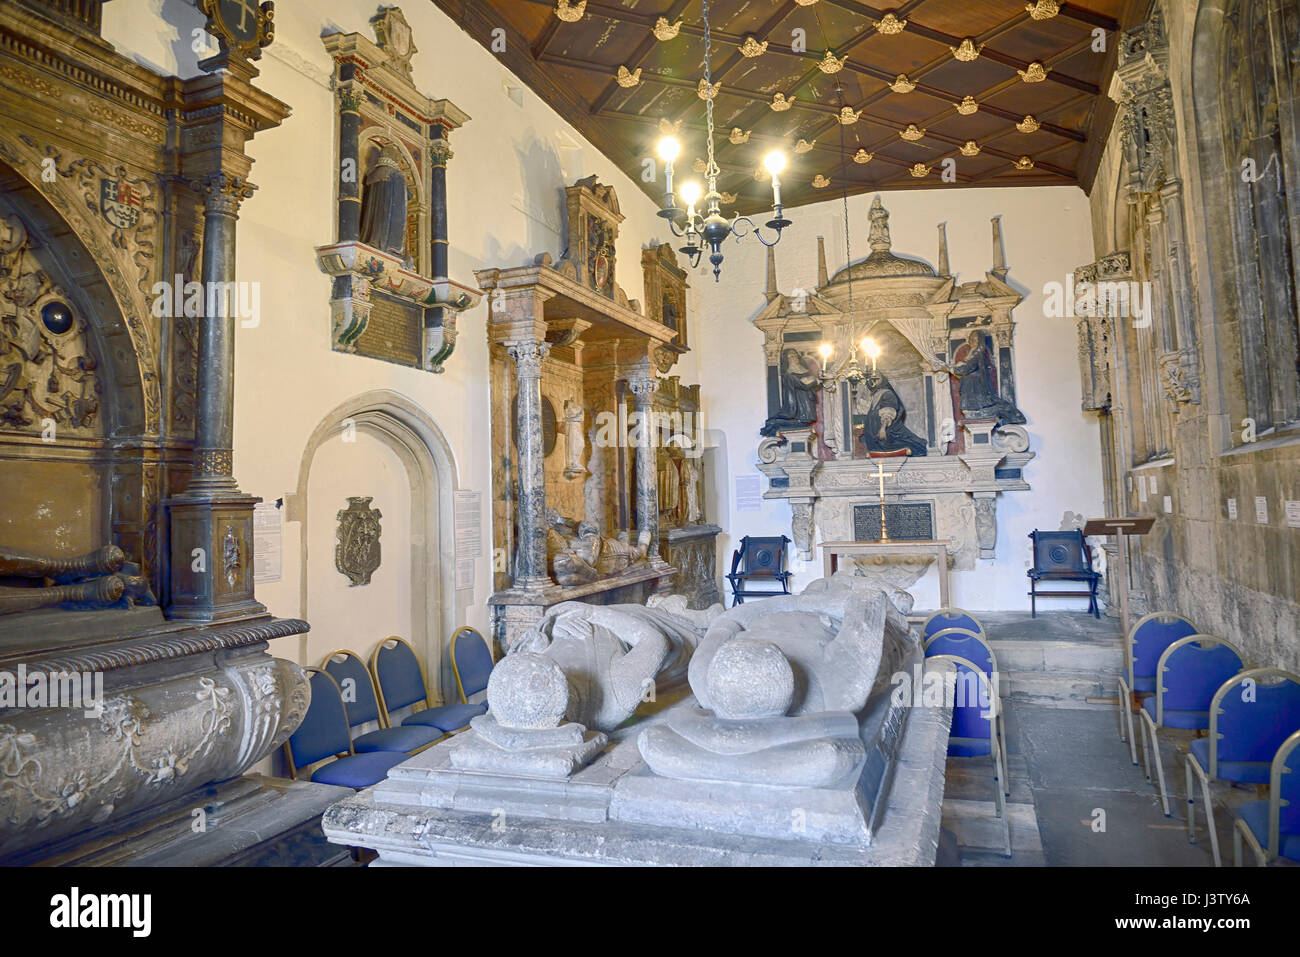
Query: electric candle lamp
pixel 872 349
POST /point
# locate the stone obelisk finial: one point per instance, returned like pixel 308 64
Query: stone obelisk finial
pixel 943 249
pixel 823 275
pixel 999 257
pixel 771 292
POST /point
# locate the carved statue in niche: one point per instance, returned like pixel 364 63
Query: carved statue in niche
pixel 973 372
pixel 383 202
pixel 800 391
pixel 575 440
pixel 879 420
pixel 691 483
pixel 587 556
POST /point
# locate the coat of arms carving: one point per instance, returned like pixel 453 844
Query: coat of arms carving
pixel 357 553
pixel 120 203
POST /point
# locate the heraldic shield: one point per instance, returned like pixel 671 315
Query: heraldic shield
pixel 357 553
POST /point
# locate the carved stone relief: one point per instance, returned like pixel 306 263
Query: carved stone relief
pixel 357 554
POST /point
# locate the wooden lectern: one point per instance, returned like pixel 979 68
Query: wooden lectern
pixel 1120 527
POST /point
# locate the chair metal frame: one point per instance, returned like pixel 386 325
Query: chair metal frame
pixel 781 576
pixel 1150 726
pixel 288 751
pixel 995 752
pixel 993 682
pixel 956 611
pixel 1206 775
pixel 383 723
pixel 1127 678
pixel 455 666
pixel 1093 578
pixel 1266 855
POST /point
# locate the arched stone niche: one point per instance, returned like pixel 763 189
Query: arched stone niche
pixel 409 432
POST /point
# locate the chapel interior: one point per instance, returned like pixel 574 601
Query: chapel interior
pixel 704 432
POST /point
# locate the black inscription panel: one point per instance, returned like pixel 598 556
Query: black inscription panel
pixel 912 522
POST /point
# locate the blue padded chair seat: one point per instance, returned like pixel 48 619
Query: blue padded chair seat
pixel 1255 814
pixel 1144 683
pixel 359 770
pixel 1241 772
pixel 1190 720
pixel 448 718
pixel 404 739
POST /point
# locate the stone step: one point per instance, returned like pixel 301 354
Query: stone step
pixel 1061 689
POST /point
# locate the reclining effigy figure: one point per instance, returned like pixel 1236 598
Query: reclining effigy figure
pixel 587 556
pixel 612 656
pixel 779 685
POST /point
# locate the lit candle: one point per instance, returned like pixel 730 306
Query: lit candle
pixel 870 348
pixel 825 352
pixel 669 148
pixel 775 163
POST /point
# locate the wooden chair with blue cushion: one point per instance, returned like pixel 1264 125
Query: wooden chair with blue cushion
pixel 974 729
pixel 471 662
pixel 1272 827
pixel 1251 715
pixel 362 706
pixel 1062 557
pixel 324 734
pixel 952 618
pixel 400 681
pixel 1143 646
pixel 966 644
pixel 1189 673
pixel 758 560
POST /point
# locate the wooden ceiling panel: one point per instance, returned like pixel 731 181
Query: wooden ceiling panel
pixel 574 65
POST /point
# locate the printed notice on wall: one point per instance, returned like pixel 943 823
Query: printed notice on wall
pixel 1169 504
pixel 1232 509
pixel 469 535
pixel 749 493
pixel 1261 510
pixel 1154 487
pixel 1142 490
pixel 1293 514
pixel 268 543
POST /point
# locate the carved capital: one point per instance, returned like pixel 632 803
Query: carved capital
pixel 1180 375
pixel 643 387
pixel 528 356
pixel 440 151
pixel 223 192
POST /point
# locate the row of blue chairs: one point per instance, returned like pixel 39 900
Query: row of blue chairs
pixel 346 696
pixel 957 636
pixel 1250 718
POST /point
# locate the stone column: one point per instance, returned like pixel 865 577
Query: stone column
pixel 211 527
pixel 215 418
pixel 349 208
pixel 439 322
pixel 530 553
pixel 643 385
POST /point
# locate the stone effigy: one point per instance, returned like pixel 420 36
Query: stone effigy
pixel 775 738
pixel 615 656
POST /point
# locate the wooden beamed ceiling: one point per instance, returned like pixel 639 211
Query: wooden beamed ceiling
pixel 574 66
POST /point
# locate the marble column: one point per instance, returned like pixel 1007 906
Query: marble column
pixel 530 553
pixel 643 386
pixel 349 208
pixel 215 419
pixel 439 322
pixel 211 522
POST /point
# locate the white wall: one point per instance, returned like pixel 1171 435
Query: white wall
pixel 505 185
pixel 1047 233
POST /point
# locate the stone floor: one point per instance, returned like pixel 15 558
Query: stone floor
pixel 1067 764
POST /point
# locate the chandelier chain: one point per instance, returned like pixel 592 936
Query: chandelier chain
pixel 712 170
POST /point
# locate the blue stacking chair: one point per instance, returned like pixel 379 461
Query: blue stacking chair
pixel 362 706
pixel 1143 646
pixel 1189 673
pixel 1272 827
pixel 963 643
pixel 1251 715
pixel 974 731
pixel 471 662
pixel 951 618
pixel 324 734
pixel 400 681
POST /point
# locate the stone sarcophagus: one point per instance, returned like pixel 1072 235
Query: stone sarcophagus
pixel 135 679
pixel 772 733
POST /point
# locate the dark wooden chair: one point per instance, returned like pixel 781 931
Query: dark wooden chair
pixel 1062 557
pixel 758 559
